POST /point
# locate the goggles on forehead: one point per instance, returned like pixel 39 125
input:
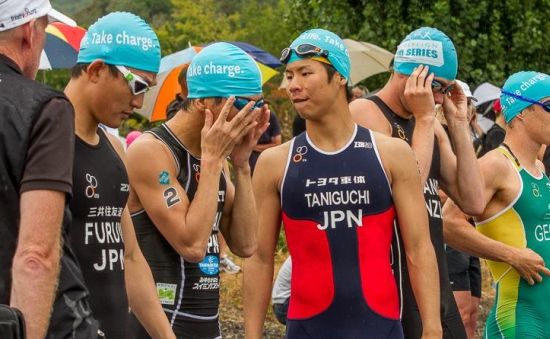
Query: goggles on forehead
pixel 439 87
pixel 303 50
pixel 240 102
pixel 136 83
pixel 545 105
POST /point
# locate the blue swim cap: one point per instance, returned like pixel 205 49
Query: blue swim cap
pixel 338 54
pixel 223 70
pixel 530 85
pixel 121 39
pixel 427 46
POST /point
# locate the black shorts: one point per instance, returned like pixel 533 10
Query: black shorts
pixel 464 272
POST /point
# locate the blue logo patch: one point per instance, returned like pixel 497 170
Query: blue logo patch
pixel 164 178
pixel 210 265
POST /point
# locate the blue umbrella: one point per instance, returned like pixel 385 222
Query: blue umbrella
pixel 258 54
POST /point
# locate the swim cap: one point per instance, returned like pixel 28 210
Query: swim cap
pixel 223 70
pixel 338 54
pixel 427 46
pixel 121 39
pixel 531 85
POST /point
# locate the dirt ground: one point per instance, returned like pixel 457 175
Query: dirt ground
pixel 231 312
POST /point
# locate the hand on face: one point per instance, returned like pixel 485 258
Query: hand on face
pixel 455 105
pixel 243 149
pixel 418 93
pixel 218 138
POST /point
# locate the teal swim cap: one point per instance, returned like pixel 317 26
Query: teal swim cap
pixel 223 70
pixel 427 46
pixel 338 54
pixel 530 85
pixel 121 39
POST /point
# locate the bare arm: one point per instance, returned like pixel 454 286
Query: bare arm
pixel 186 225
pixel 461 235
pixel 413 223
pixel 239 222
pixel 460 175
pixel 240 217
pixel 140 285
pixel 258 269
pixel 36 263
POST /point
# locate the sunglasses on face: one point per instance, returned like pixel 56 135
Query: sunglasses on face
pixel 441 88
pixel 545 105
pixel 136 83
pixel 303 50
pixel 240 102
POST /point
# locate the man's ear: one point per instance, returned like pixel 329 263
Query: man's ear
pixel 96 69
pixel 199 104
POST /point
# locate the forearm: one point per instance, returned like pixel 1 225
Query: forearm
pixel 469 183
pixel 258 276
pixel 422 267
pixel 423 145
pixel 143 299
pixel 202 209
pixel 244 218
pixel 459 234
pixel 34 287
pixel 36 262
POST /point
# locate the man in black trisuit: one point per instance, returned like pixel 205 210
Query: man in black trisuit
pixel 181 192
pixel 425 68
pixel 107 84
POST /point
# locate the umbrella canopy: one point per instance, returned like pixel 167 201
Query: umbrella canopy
pixel 159 97
pixel 258 54
pixel 366 60
pixel 62 45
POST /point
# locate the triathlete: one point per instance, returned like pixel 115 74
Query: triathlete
pixel 337 188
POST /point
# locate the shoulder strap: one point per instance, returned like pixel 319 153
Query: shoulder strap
pixel 507 152
pixel 388 113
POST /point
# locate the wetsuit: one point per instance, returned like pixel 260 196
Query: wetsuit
pixel 451 321
pixel 188 292
pixel 338 214
pixel 100 193
pixel 520 310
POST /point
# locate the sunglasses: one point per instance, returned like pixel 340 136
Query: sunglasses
pixel 545 105
pixel 240 102
pixel 136 83
pixel 303 50
pixel 441 88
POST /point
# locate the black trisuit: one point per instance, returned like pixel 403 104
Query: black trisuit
pixel 450 317
pixel 188 292
pixel 100 193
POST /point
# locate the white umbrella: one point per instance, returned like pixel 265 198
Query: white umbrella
pixel 366 60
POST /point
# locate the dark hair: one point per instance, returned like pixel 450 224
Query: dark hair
pixel 78 69
pixel 330 74
pixel 186 102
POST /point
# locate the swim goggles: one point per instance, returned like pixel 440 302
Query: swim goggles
pixel 545 105
pixel 136 83
pixel 303 50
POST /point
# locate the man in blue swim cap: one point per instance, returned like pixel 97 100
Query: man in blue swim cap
pixel 424 70
pixel 117 63
pixel 337 188
pixel 512 231
pixel 183 196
